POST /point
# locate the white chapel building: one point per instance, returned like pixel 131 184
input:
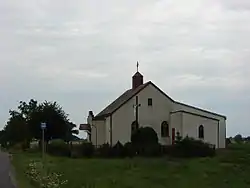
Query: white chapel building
pixel 148 105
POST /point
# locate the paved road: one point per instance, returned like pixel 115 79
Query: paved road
pixel 5 171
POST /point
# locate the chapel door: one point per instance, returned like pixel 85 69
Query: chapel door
pixel 173 135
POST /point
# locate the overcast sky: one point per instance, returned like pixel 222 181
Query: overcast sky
pixel 82 53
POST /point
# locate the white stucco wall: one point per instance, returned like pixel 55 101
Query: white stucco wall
pixel 148 115
pixel 222 123
pixel 222 131
pixel 191 124
pixel 176 122
pixel 153 116
pixel 101 132
pixel 107 130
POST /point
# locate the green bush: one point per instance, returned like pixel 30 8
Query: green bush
pixel 76 151
pixel 118 150
pixel 145 142
pixel 228 142
pixel 151 150
pixel 58 147
pixel 85 149
pixel 129 150
pixel 16 147
pixel 88 149
pixel 104 151
pixel 4 145
pixel 166 149
pixel 144 136
pixel 25 145
pixel 189 147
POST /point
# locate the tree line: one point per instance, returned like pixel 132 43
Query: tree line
pixel 24 123
pixel 240 138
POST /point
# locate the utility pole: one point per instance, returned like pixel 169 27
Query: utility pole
pixel 136 108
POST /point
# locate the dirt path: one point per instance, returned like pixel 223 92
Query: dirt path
pixel 6 175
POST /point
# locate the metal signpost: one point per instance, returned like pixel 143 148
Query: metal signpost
pixel 43 127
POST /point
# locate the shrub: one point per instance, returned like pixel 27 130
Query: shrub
pixel 178 137
pixel 145 142
pixel 189 147
pixel 58 147
pixel 87 149
pixel 144 136
pixel 117 150
pixel 4 145
pixel 16 147
pixel 25 145
pixel 76 151
pixel 238 138
pixel 166 149
pixel 104 151
pixel 228 142
pixel 129 150
pixel 151 150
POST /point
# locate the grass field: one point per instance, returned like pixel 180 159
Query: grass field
pixel 229 169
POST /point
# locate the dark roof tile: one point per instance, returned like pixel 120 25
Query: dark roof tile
pixel 127 95
pixel 119 102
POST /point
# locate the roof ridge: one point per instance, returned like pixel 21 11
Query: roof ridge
pixel 130 93
pixel 114 101
pixel 119 101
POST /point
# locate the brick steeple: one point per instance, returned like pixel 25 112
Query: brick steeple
pixel 137 79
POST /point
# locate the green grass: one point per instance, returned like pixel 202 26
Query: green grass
pixel 230 168
pixel 20 162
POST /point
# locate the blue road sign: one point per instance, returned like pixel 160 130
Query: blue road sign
pixel 43 125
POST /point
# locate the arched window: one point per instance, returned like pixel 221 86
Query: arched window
pixel 201 132
pixel 134 126
pixel 164 129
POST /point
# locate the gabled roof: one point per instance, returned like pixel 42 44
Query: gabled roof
pixel 127 95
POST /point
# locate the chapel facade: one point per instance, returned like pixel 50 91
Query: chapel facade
pixel 145 104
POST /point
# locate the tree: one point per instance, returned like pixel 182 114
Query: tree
pixel 238 138
pixel 3 139
pixel 28 118
pixel 26 109
pixel 2 133
pixel 55 118
pixel 71 132
pixel 19 122
pixel 16 130
pixel 247 138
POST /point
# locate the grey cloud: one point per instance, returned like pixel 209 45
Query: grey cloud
pixel 83 53
pixel 236 5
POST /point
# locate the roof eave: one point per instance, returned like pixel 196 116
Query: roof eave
pixel 102 117
pixel 206 111
pixel 195 114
